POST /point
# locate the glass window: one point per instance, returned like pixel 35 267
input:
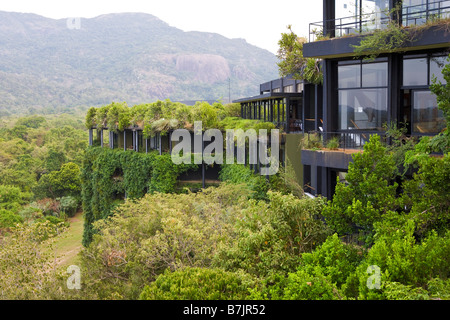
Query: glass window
pixel 375 14
pixel 415 72
pixel 414 12
pixel 375 75
pixel 346 8
pixel 427 118
pixel 436 66
pixel 362 109
pixel 349 76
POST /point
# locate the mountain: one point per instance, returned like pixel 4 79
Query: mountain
pixel 48 64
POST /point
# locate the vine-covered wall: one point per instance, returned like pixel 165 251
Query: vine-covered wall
pixel 110 175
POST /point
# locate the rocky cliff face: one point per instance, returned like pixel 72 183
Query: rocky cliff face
pixel 206 68
pixel 133 57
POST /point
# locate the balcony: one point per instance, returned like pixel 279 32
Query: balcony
pixel 411 15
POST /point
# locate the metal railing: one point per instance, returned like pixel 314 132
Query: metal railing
pixel 420 14
pixel 341 140
pixel 366 22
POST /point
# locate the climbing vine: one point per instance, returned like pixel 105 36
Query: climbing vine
pixel 108 176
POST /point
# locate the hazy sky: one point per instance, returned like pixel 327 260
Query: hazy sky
pixel 260 22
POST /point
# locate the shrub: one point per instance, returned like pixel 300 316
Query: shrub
pixel 333 143
pixel 235 173
pixel 304 286
pixel 8 219
pixel 403 260
pixel 311 141
pixel 335 259
pixel 11 198
pixel 199 284
pixel 271 236
pixel 157 232
pixel 27 264
pixel 369 194
pixel 68 205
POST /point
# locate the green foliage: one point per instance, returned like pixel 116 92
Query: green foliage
pixel 311 141
pixel 162 116
pixel 426 195
pixel 302 285
pixel 69 205
pixel 111 174
pixel 32 121
pixel 199 284
pixel 158 232
pixel 257 184
pixel 27 263
pixel 272 236
pixel 403 260
pixel 11 198
pixel 54 160
pixel 333 259
pixel 8 219
pixel 322 274
pixel 235 123
pixel 391 38
pixel 369 194
pixel 64 182
pixel 333 143
pixel 292 62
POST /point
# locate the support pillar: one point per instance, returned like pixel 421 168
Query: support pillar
pixel 314 185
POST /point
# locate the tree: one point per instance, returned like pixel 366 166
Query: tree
pixel 292 63
pixel 11 198
pixel 441 142
pixel 199 284
pixel 54 160
pixel 65 182
pixel 370 192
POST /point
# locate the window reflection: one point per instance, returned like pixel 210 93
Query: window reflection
pixel 362 109
pixel 374 75
pixel 353 15
pixel 427 118
pixel 349 76
pixel 436 66
pixel 415 72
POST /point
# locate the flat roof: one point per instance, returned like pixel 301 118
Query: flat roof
pixel 269 96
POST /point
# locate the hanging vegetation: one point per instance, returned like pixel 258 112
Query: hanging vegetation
pixel 163 116
pixel 109 176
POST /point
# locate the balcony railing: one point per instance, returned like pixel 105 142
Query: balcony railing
pixel 420 14
pixel 344 140
pixel 358 24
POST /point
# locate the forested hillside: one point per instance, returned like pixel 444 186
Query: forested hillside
pixel 46 66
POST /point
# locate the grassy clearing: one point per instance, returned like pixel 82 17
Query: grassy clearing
pixel 67 246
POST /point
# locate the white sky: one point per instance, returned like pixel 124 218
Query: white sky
pixel 259 22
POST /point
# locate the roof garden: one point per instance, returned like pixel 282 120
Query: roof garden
pixel 161 117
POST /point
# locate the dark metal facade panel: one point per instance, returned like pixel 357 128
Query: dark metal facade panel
pixel 328 159
pixel 433 37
